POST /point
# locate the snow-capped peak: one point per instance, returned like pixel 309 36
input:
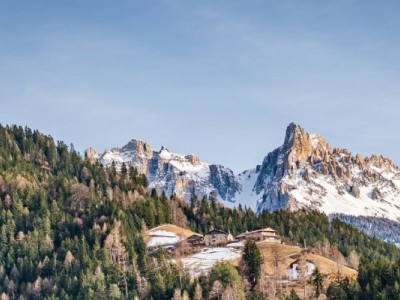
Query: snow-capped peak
pixel 304 172
pixel 172 173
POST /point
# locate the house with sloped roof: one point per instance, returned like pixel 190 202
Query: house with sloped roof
pixel 260 235
pixel 215 238
pixel 195 240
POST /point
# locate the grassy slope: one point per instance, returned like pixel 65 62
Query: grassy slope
pixel 185 233
pixel 326 266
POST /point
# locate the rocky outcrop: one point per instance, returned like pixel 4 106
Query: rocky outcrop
pixel 376 194
pixel 173 173
pixel 193 159
pixel 298 150
pixel 91 155
pixel 307 172
pixel 224 181
pixel 355 191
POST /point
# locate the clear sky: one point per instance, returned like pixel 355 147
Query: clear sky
pixel 221 79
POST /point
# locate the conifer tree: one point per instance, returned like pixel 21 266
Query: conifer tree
pixel 293 295
pixel 317 280
pixel 253 260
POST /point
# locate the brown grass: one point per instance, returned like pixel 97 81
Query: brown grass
pixel 185 233
pixel 325 265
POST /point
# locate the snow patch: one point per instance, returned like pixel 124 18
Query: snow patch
pixel 314 140
pixel 162 238
pixel 202 263
pixel 247 196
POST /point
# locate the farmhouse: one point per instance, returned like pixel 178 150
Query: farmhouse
pixel 216 238
pixel 195 240
pixel 266 234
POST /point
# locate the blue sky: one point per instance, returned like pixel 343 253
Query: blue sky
pixel 221 79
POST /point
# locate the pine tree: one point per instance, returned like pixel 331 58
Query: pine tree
pixel 336 292
pixel 293 295
pixel 253 259
pixel 317 280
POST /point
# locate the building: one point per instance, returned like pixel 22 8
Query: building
pixel 294 269
pixel 215 238
pixel 195 240
pixel 266 234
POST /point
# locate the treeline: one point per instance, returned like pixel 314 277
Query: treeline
pixel 70 229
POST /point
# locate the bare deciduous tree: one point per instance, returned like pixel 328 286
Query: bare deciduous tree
pixel 68 259
pixel 142 286
pixel 302 273
pixel 118 254
pixel 339 259
pixel 4 296
pixel 198 292
pixel 276 260
pixel 2 185
pixel 353 260
pixel 79 197
pixel 216 290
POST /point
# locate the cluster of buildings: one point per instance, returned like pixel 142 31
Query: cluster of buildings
pixel 217 238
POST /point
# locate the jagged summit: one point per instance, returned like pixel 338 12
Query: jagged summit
pixel 172 173
pixel 292 131
pixel 301 143
pixel 305 172
pixel 137 145
pixel 164 148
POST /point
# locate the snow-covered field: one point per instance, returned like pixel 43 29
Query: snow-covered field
pixel 202 263
pixel 236 245
pixel 162 238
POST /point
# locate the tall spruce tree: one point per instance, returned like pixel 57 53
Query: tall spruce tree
pixel 253 259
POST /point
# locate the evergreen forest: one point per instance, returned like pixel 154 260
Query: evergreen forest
pixel 73 229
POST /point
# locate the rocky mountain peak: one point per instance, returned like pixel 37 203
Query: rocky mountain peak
pixel 91 155
pixel 298 143
pixel 193 159
pixel 301 144
pixel 172 173
pixel 163 148
pixel 292 132
pixel 379 161
pixel 138 146
pixel 299 147
pixel 304 172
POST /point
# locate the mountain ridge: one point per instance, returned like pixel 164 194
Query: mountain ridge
pixel 304 172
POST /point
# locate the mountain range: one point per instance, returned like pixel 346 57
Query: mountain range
pixel 305 172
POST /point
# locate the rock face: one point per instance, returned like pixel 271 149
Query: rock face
pixel 305 172
pixel 174 173
pixel 91 155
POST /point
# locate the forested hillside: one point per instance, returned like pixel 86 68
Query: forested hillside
pixel 384 229
pixel 71 229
